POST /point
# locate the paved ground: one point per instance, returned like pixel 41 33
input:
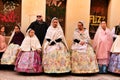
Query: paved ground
pixel 9 74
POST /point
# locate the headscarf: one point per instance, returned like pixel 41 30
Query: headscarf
pixel 13 33
pixel 55 33
pixel 84 36
pixel 30 43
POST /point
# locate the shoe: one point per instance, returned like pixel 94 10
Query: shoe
pixel 100 68
pixel 104 68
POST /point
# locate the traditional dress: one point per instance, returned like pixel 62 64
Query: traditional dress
pixel 102 44
pixel 114 65
pixel 15 41
pixel 56 58
pixel 3 45
pixel 29 59
pixel 116 31
pixel 83 56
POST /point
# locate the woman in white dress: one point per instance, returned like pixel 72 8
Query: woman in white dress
pixel 29 59
pixel 15 41
pixel 83 56
pixel 56 58
pixel 114 65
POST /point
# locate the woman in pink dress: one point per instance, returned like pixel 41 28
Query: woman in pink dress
pixel 29 59
pixel 102 44
pixel 3 44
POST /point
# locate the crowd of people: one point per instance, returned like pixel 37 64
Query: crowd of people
pixel 44 49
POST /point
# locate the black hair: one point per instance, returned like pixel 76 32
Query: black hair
pixel 1 26
pixel 17 26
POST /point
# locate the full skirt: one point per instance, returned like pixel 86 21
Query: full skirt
pixel 57 61
pixel 84 62
pixel 9 55
pixel 114 65
pixel 29 62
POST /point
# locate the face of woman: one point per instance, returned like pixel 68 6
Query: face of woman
pixel 80 26
pixel 31 33
pixel 16 29
pixel 2 29
pixel 55 23
pixel 103 25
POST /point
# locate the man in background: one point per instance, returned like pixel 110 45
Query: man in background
pixel 40 28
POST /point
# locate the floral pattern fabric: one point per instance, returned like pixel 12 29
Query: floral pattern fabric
pixel 29 62
pixel 84 62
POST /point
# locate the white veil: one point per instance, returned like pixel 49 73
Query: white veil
pixel 13 33
pixel 30 43
pixel 51 32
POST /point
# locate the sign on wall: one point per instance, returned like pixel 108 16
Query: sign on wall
pixel 98 12
pixel 56 8
pixel 10 14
